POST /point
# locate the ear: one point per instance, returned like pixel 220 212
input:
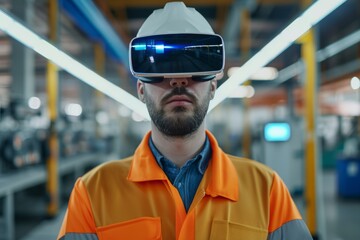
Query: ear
pixel 213 86
pixel 140 90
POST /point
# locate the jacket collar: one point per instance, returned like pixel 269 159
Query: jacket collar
pixel 144 166
pixel 220 178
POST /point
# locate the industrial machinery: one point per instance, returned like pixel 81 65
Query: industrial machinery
pixel 280 146
pixel 20 144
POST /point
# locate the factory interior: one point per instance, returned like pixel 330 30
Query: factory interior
pixel 68 101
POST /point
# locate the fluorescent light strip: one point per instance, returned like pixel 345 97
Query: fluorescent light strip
pixel 63 60
pixel 298 27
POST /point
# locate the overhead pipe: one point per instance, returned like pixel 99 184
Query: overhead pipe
pixel 89 18
pixel 321 55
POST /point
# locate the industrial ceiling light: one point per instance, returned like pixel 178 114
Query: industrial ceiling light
pixel 34 103
pixel 243 92
pixel 30 39
pixel 315 13
pixel 73 109
pixel 263 74
pixel 355 83
pixel 239 92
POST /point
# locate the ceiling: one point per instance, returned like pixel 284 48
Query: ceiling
pixel 246 26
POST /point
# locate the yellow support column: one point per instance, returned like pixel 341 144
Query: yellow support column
pixel 99 59
pixel 100 69
pixel 308 52
pixel 245 42
pixel 52 93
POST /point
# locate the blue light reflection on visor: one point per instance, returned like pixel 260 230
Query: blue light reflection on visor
pixel 140 47
pixel 159 48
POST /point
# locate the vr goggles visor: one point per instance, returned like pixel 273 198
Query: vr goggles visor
pixel 200 56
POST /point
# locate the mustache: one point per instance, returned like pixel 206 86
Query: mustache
pixel 178 91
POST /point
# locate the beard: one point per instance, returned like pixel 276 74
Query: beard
pixel 181 121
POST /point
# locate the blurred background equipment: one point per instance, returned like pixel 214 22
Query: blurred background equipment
pixel 281 150
pixel 22 145
pixel 348 162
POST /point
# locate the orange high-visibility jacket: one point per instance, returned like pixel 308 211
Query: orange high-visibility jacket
pixel 133 199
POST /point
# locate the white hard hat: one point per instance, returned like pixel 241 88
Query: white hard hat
pixel 175 17
pixel 176 41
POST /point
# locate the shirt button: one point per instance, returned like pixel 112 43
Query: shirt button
pixel 179 185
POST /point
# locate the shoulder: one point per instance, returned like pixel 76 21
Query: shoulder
pixel 250 168
pixel 107 170
pixel 247 163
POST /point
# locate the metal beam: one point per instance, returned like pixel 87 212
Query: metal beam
pixel 323 54
pixel 233 24
pixel 221 13
pixel 120 24
pixel 88 17
pixel 278 2
pixel 157 3
pixel 22 58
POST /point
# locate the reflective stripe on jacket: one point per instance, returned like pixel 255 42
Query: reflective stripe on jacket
pixel 133 199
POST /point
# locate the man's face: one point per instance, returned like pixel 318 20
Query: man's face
pixel 177 106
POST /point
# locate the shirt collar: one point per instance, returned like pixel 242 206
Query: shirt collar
pixel 202 158
pixel 220 178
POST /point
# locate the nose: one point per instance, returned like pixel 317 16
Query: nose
pixel 179 82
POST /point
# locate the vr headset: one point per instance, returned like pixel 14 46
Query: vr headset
pixel 199 56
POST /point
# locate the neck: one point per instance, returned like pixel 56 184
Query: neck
pixel 179 149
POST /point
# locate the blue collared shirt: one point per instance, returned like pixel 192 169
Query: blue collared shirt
pixel 187 178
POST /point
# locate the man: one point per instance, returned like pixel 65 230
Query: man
pixel 179 184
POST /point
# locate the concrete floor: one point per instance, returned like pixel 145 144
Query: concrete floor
pixel 342 216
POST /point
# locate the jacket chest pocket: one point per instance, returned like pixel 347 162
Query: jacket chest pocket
pixel 222 229
pixel 145 228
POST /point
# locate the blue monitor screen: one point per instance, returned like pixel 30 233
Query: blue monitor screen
pixel 277 132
